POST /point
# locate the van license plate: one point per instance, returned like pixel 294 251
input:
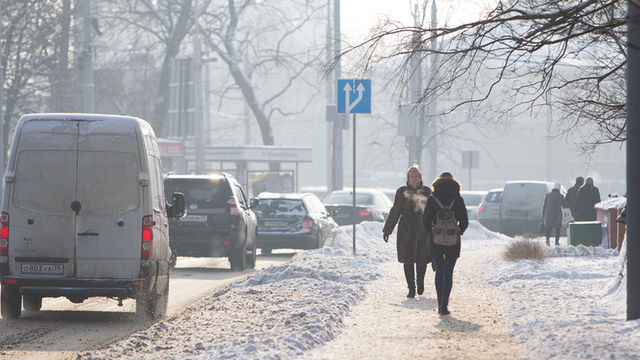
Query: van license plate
pixel 195 218
pixel 42 269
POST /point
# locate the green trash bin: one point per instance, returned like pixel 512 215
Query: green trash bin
pixel 587 233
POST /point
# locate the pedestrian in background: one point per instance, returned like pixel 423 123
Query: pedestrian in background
pixel 447 190
pixel 572 195
pixel 552 212
pixel 411 239
pixel 588 196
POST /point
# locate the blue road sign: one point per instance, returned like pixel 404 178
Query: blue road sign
pixel 354 96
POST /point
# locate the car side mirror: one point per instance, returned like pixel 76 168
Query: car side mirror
pixel 334 212
pixel 254 202
pixel 176 209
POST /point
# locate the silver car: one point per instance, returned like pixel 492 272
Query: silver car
pixel 489 209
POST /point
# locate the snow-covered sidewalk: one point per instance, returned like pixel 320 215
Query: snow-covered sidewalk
pixel 330 304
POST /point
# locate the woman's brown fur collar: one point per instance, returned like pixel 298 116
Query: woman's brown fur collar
pixel 443 180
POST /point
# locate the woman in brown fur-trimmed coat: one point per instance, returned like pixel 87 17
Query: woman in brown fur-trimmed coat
pixel 408 205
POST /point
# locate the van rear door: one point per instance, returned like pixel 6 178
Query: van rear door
pixel 42 240
pixel 109 222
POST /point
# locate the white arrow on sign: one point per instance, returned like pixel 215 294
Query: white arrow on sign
pixel 347 92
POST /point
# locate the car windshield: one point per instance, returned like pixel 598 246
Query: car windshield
pixel 347 199
pixel 280 206
pixel 472 199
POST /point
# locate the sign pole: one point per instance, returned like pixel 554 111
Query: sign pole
pixel 353 97
pixel 354 184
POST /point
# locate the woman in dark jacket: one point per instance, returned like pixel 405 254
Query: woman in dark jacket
pixel 446 189
pixel 552 212
pixel 411 243
pixel 588 196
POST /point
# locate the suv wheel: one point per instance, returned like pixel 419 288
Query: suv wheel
pixel 239 259
pixel 10 303
pixel 251 257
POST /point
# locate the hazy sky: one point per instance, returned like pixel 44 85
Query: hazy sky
pixel 358 16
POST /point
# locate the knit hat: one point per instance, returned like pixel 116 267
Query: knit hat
pixel 556 186
pixel 414 168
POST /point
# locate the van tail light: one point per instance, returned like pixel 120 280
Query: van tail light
pixel 4 234
pixel 306 224
pixel 147 237
pixel 364 213
pixel 233 206
pixel 500 210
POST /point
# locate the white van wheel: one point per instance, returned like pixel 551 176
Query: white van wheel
pixel 32 302
pixel 152 305
pixel 10 303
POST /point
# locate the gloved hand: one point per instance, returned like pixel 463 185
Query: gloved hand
pixel 385 237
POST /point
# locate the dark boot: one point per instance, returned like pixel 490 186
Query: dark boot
pixel 443 307
pixel 421 270
pixel 411 281
pixel 439 302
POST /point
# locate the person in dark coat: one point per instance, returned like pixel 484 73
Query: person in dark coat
pixel 446 189
pixel 572 195
pixel 588 196
pixel 411 244
pixel 552 212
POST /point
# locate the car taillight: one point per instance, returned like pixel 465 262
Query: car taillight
pixel 306 224
pixel 364 213
pixel 147 237
pixel 480 208
pixel 500 210
pixel 4 234
pixel 233 206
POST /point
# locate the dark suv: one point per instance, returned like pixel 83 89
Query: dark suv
pixel 219 220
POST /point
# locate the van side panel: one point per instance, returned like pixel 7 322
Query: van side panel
pixel 521 211
pixel 109 225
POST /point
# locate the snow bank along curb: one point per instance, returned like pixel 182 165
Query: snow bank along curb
pixel 278 313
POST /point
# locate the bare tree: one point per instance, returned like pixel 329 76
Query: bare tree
pixel 528 53
pixel 268 40
pixel 30 34
pixel 158 27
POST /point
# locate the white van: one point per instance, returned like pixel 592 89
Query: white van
pixel 84 213
pixel 521 207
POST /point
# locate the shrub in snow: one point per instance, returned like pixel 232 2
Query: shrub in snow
pixel 524 249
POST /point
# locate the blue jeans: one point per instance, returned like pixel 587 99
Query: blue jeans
pixel 444 276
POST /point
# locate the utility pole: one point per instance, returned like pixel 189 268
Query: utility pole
pixel 633 158
pixel 415 85
pixel 432 129
pixel 87 58
pixel 197 113
pixel 338 124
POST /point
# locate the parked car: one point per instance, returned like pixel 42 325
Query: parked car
pixel 472 200
pixel 84 214
pixel 219 221
pixel 292 221
pixel 489 209
pixel 521 207
pixel 371 205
